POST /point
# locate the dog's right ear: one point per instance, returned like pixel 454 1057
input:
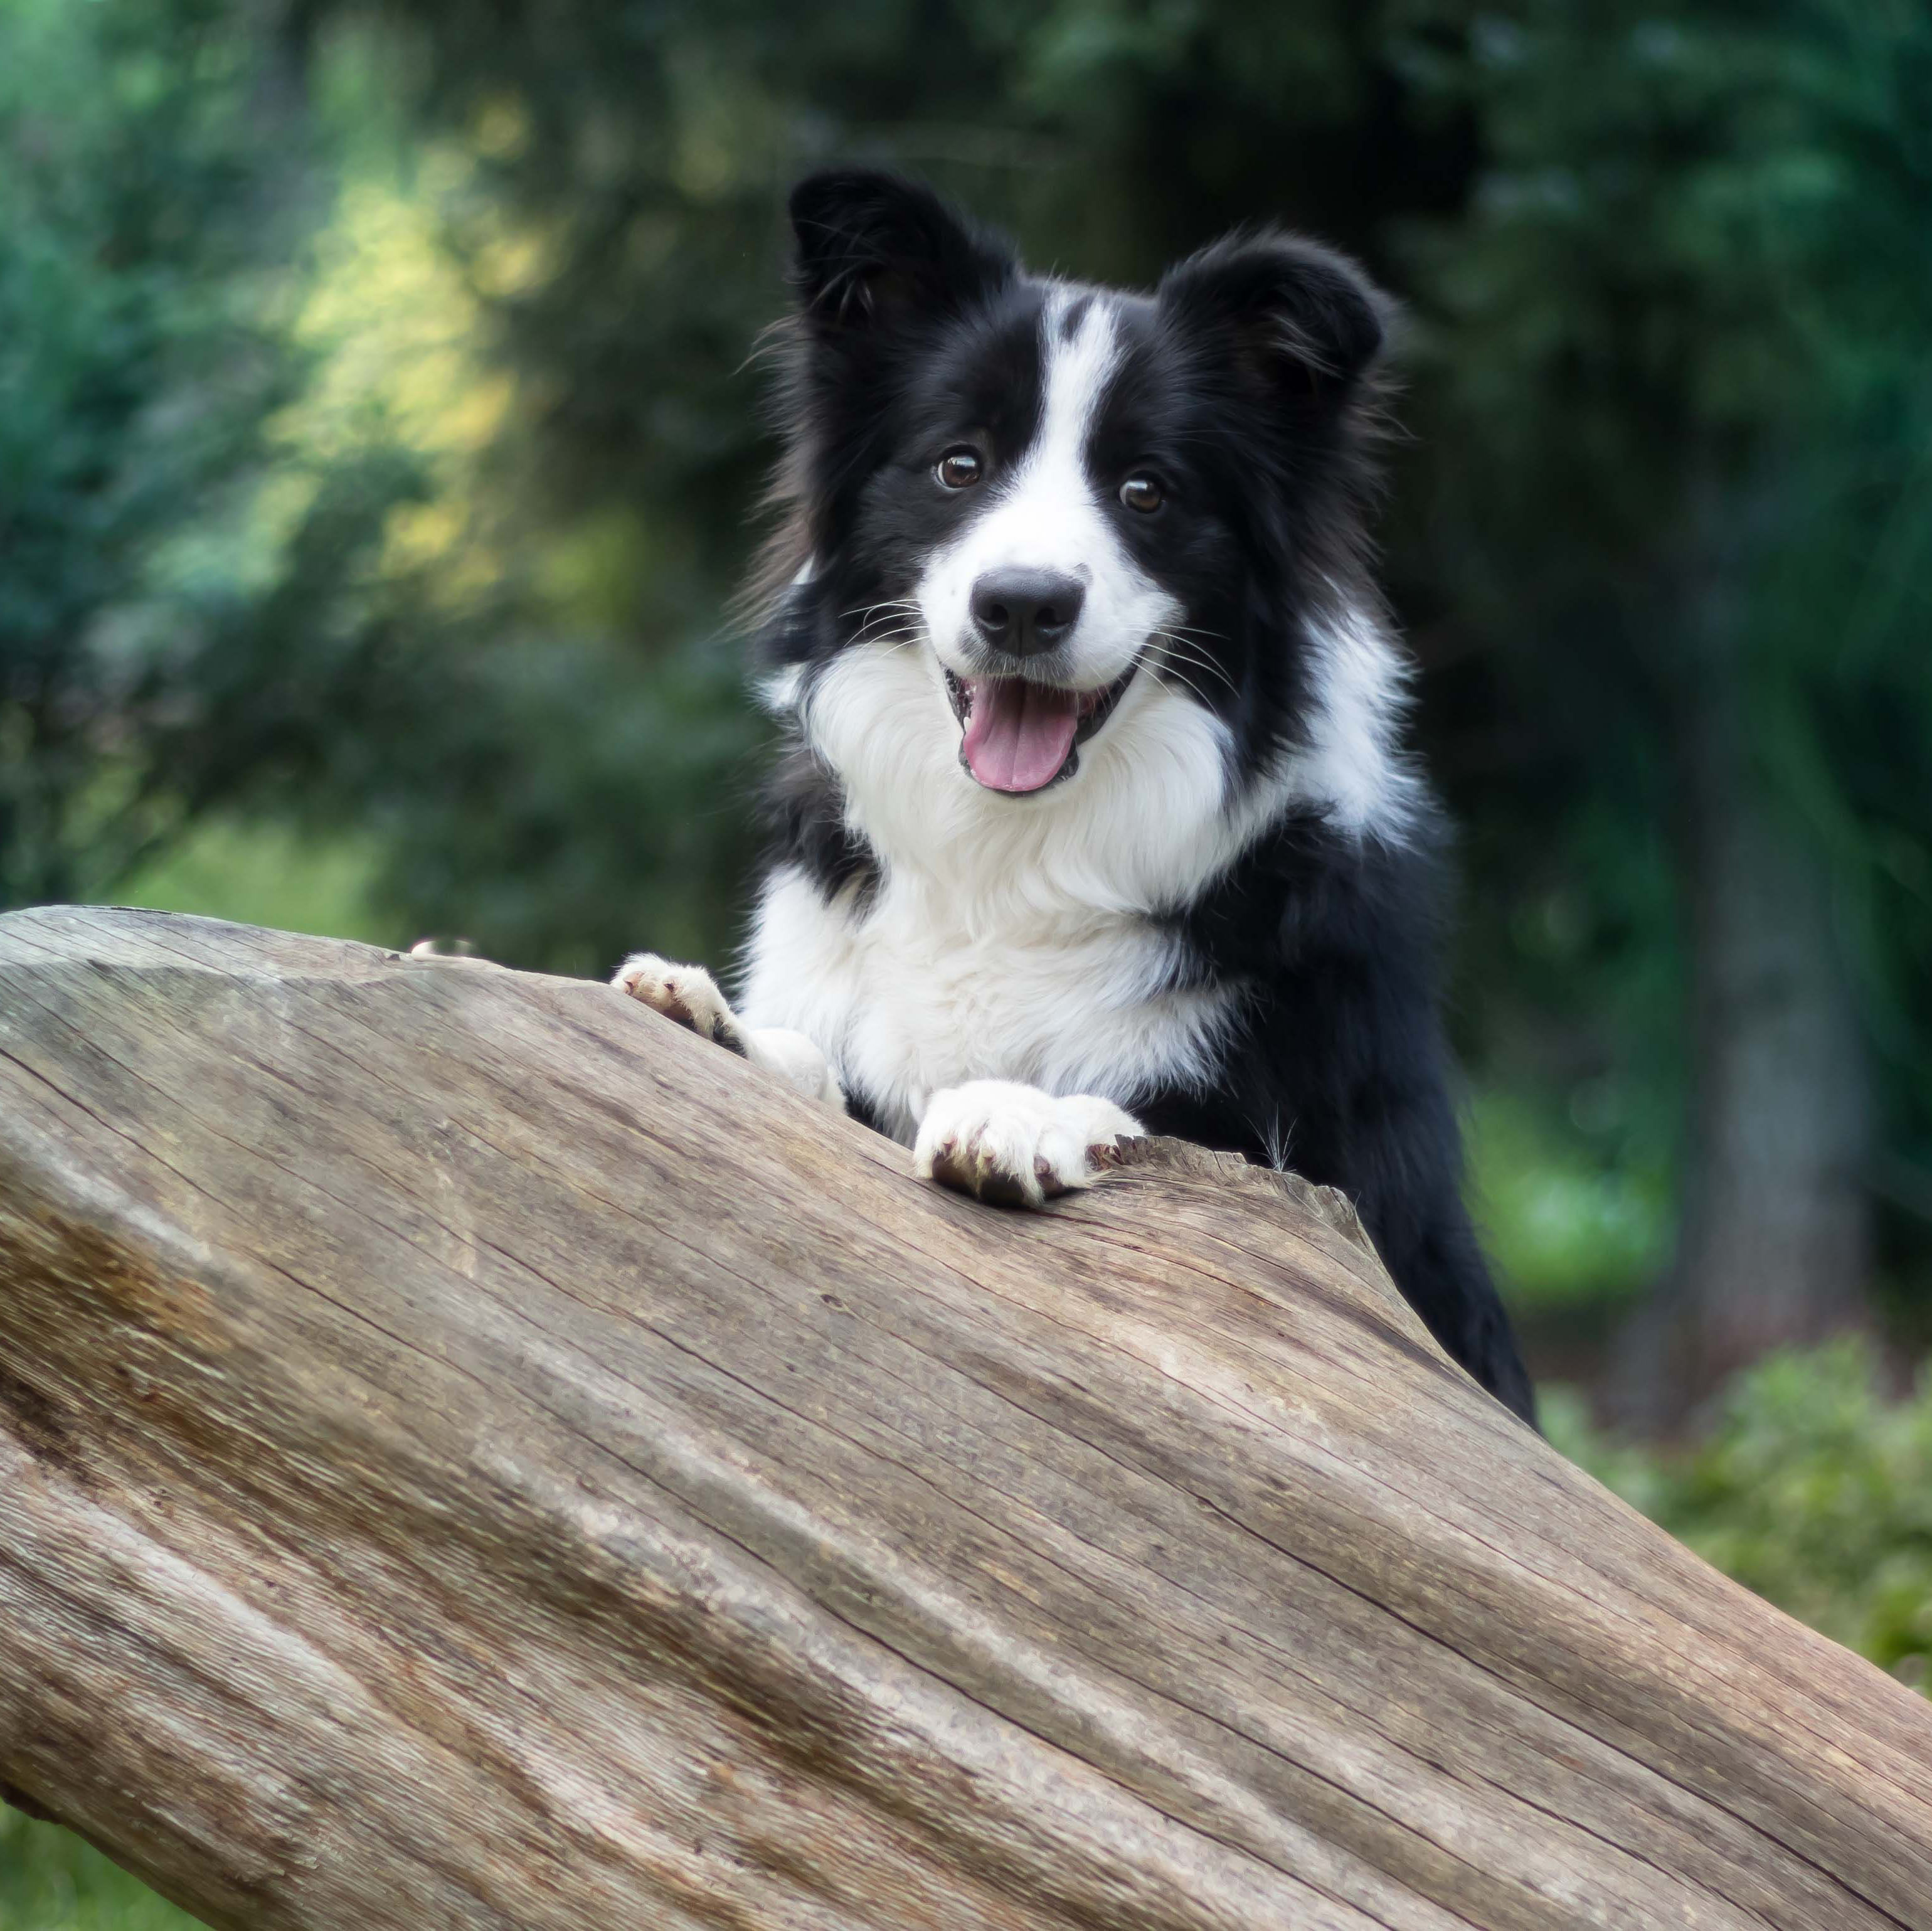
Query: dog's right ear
pixel 873 249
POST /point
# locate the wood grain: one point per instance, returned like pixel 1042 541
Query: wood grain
pixel 472 1454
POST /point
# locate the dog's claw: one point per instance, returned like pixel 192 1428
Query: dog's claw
pixel 687 995
pixel 1015 1146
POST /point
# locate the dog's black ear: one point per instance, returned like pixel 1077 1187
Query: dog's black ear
pixel 1304 320
pixel 872 248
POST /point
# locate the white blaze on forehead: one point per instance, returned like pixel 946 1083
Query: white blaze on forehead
pixel 1045 513
pixel 1079 365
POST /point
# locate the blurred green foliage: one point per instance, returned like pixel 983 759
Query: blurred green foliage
pixel 134 368
pixel 1675 348
pixel 1812 1488
pixel 1573 1209
pixel 267 874
pixel 51 1880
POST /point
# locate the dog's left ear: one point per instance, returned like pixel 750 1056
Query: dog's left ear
pixel 872 249
pixel 1304 321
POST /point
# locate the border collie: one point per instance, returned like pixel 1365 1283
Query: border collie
pixel 1093 818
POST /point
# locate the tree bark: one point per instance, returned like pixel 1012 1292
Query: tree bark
pixel 472 1454
pixel 1774 1247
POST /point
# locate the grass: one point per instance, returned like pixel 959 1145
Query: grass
pixel 50 1880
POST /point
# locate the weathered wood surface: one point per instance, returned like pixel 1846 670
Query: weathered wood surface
pixel 471 1455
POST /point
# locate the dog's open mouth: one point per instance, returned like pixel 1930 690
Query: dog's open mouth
pixel 1020 736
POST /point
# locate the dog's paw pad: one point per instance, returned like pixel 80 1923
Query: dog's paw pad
pixel 1016 1146
pixel 687 994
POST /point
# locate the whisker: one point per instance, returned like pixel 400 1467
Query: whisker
pixel 1173 672
pixel 1181 640
pixel 1177 650
pixel 905 604
pixel 1202 644
pixel 868 614
pixel 1166 670
pixel 892 640
pixel 886 622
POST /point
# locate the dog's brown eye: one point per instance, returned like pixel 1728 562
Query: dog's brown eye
pixel 960 469
pixel 1141 493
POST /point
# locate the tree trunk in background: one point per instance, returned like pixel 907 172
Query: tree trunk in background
pixel 1775 1242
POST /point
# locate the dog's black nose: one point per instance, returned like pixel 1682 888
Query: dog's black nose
pixel 1024 612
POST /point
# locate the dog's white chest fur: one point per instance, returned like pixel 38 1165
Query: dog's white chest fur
pixel 913 995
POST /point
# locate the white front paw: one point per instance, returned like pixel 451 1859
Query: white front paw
pixel 687 994
pixel 1015 1145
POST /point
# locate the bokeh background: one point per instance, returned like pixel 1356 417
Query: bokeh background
pixel 379 438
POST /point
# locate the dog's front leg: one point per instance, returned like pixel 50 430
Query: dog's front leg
pixel 689 995
pixel 1015 1145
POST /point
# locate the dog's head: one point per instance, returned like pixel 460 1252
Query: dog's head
pixel 1062 525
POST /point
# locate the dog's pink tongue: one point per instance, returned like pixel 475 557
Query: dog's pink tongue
pixel 1017 734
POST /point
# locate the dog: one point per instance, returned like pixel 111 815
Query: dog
pixel 1092 817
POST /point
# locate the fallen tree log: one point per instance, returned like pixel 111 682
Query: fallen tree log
pixel 472 1454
